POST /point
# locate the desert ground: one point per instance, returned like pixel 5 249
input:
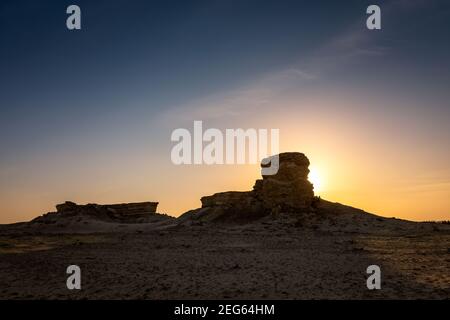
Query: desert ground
pixel 321 254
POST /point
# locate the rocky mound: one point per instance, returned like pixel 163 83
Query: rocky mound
pixel 286 191
pixel 125 212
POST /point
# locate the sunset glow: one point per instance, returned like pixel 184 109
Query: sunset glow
pixel 316 178
pixel 369 110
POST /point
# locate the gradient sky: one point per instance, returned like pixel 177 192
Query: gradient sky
pixel 87 115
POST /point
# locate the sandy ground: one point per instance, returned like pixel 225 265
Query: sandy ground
pixel 315 257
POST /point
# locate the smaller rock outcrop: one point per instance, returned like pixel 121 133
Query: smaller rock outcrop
pixel 125 212
pixel 232 205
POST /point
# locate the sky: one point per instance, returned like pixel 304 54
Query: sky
pixel 87 115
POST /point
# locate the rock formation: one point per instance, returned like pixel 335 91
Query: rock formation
pixel 286 191
pixel 125 212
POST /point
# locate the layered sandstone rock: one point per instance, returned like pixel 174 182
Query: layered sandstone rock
pixel 127 212
pixel 232 205
pixel 287 190
pixel 123 209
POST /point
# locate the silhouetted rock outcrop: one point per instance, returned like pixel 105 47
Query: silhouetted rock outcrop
pixel 126 212
pixel 286 191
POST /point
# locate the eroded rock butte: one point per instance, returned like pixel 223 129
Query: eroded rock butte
pixel 287 191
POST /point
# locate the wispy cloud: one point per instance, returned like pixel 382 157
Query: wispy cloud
pixel 251 99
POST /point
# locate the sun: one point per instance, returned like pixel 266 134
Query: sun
pixel 316 179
